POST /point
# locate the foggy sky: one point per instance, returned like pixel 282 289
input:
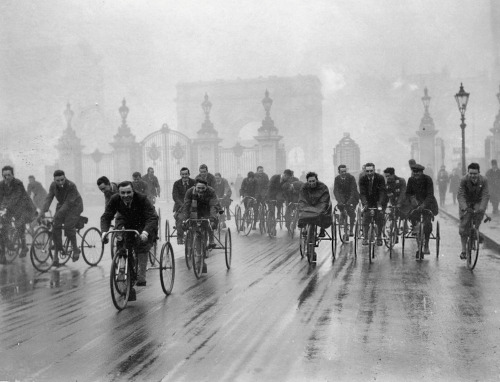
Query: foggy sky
pixel 146 48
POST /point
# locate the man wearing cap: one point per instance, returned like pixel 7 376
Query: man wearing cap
pixel 420 191
pixel 493 176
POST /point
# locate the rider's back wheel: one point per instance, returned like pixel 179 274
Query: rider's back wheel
pixel 420 240
pixel 333 242
pixel 303 241
pixel 403 237
pixel 237 218
pixel 167 268
pixel 120 281
pixel 472 248
pixel 92 246
pixel 311 243
pixel 188 249
pixel 357 236
pixel 199 249
pixel 262 219
pixel 167 230
pixel 371 242
pixel 41 251
pixel 228 248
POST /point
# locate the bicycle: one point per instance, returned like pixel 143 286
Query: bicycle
pixel 196 244
pixel 293 217
pixel 11 238
pixel 309 239
pixel 391 227
pixel 417 233
pixel 42 247
pixel 473 239
pixel 262 217
pixel 247 220
pixel 371 235
pixel 274 218
pixel 341 221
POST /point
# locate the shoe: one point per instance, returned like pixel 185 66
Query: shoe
pixel 76 254
pixel 463 256
pixel 141 283
pixel 180 241
pixel 380 242
pixel 132 296
pixel 346 238
pixel 322 233
pixel 426 249
pixel 364 242
pixel 24 251
pixel 204 270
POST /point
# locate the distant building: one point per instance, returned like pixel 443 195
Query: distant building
pixel 347 152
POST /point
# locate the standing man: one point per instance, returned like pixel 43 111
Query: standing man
pixel 68 210
pixel 420 191
pixel 346 193
pixel 138 184
pixel 179 191
pixel 372 195
pixel 206 176
pixel 153 185
pixel 493 177
pixel 223 192
pixel 473 196
pixel 36 191
pixel 138 213
pixel 443 179
pixel 14 203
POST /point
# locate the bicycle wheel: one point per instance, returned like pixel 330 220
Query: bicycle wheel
pixel 167 231
pixel 311 243
pixel 153 254
pixel 13 244
pixel 159 223
pixel 389 233
pixel 41 251
pixel 403 237
pixel 188 249
pixel 438 239
pixel 371 242
pixel 271 224
pixel 472 249
pixel 199 248
pixel 280 217
pixel 237 218
pixel 303 241
pixel 420 241
pixel 66 253
pixel 262 220
pixel 333 243
pixel 249 220
pixel 340 224
pixel 113 245
pixel 167 268
pixel 120 281
pixel 228 248
pixel 357 233
pixel 92 246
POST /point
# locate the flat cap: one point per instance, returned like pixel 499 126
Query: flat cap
pixel 417 167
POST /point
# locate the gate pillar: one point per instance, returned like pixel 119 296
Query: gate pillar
pixel 207 143
pixel 70 151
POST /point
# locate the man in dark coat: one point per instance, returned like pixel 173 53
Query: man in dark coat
pixel 274 192
pixel 107 188
pixel 473 196
pixel 420 191
pixel 346 193
pixel 14 203
pixel 153 185
pixel 248 191
pixel 138 184
pixel 68 210
pixel 223 192
pixel 137 212
pixel 493 176
pixel 290 185
pixel 262 184
pixel 205 175
pixel 442 179
pixel 179 191
pixel 36 191
pixel 372 195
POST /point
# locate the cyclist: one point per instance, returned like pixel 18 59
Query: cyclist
pixel 395 189
pixel 346 193
pixel 36 191
pixel 262 184
pixel 274 192
pixel 206 176
pixel 291 192
pixel 372 195
pixel 14 203
pixel 137 212
pixel 420 191
pixel 249 188
pixel 223 192
pixel 138 184
pixel 68 210
pixel 179 190
pixel 153 185
pixel 202 202
pixel 315 205
pixel 473 196
pixel 107 188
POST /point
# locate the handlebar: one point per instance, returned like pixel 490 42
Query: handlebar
pixel 120 231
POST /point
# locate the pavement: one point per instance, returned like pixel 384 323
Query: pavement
pixel 490 230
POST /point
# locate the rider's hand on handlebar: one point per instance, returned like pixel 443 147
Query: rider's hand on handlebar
pixel 144 236
pixel 105 239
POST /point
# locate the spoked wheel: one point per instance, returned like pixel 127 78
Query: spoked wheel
pixel 271 224
pixel 371 243
pixel 280 217
pixel 167 268
pixel 342 228
pixel 293 223
pixel 420 241
pixel 67 252
pixel 153 254
pixel 472 249
pixel 403 236
pixel 237 218
pixel 167 231
pixel 41 251
pixel 438 239
pixel 311 243
pixel 199 250
pixel 12 245
pixel 332 241
pixel 92 246
pixel 159 223
pixel 262 219
pixel 390 233
pixel 357 233
pixel 113 245
pixel 188 249
pixel 228 248
pixel 120 281
pixel 249 220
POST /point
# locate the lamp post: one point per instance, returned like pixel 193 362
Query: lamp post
pixel 462 97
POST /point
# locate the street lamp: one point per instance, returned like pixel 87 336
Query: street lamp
pixel 462 97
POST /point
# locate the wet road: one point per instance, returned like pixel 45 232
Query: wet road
pixel 272 317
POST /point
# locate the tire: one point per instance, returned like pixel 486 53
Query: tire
pixel 120 281
pixel 112 245
pixel 167 268
pixel 356 237
pixel 153 254
pixel 271 224
pixel 228 248
pixel 188 249
pixel 311 243
pixel 421 241
pixel 303 241
pixel 371 242
pixel 333 243
pixel 41 251
pixel 340 228
pixel 237 218
pixel 159 223
pixel 438 239
pixel 198 246
pixel 67 252
pixel 249 220
pixel 262 220
pixel 403 237
pixel 92 246
pixel 472 249
pixel 280 217
pixel 12 245
pixel 389 232
pixel 167 231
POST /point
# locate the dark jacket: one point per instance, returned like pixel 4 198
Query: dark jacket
pixel 210 178
pixel 249 187
pixel 472 195
pixel 141 215
pixel 421 192
pixel 346 190
pixel 37 192
pixel 396 191
pixel 377 195
pixel 274 191
pixel 68 198
pixel 153 186
pixel 315 205
pixel 15 199
pixel 206 204
pixel 140 186
pixel 288 190
pixel 179 192
pixel 262 184
pixel 222 189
